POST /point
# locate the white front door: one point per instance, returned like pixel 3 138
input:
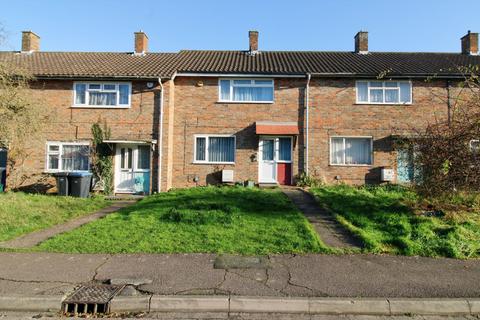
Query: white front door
pixel 132 169
pixel 267 171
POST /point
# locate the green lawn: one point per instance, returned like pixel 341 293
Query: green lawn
pixel 207 219
pixel 21 213
pixel 389 220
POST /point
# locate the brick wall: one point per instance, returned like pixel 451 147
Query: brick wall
pixel 198 112
pixel 74 124
pixel 333 111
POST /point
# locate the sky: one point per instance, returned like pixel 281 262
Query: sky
pixel 172 25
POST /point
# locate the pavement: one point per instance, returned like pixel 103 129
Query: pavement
pixel 32 239
pixel 328 229
pixel 312 275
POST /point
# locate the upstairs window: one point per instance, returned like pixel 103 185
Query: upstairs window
pixel 102 95
pixel 67 156
pixel 243 90
pixel 384 92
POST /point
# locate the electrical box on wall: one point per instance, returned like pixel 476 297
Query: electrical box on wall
pixel 227 176
pixel 387 175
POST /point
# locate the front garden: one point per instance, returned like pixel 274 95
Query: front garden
pixel 205 219
pixel 394 219
pixel 21 213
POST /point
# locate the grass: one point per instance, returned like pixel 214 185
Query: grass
pixel 392 220
pixel 208 219
pixel 21 213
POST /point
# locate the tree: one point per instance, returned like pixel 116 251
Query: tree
pixel 447 151
pixel 21 118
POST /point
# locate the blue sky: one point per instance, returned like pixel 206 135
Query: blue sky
pixel 393 25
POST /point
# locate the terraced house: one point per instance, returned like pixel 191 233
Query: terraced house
pixel 199 117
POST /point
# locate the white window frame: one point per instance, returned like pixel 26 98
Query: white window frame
pixel 369 88
pixel 207 136
pixel 101 83
pixel 345 164
pixel 252 81
pixel 60 145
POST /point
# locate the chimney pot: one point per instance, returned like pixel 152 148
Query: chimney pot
pixel 141 42
pixel 253 40
pixel 30 41
pixel 361 42
pixel 470 43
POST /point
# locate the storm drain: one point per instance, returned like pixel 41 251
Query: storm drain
pixel 90 299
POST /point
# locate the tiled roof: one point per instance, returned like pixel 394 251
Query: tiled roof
pixel 323 62
pixel 93 64
pixel 152 65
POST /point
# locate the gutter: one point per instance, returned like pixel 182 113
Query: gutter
pixel 160 137
pixel 307 96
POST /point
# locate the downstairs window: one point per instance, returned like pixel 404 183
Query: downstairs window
pixel 214 149
pixel 67 156
pixel 351 151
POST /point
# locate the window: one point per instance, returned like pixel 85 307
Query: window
pixel 242 90
pixel 285 149
pixel 384 92
pixel 67 156
pixel 214 149
pixel 350 151
pixel 102 95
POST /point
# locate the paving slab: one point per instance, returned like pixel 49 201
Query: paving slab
pixel 328 229
pixel 32 239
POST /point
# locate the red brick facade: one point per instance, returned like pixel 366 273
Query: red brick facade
pixel 190 107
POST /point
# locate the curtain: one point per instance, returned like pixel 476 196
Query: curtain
pixel 405 92
pixel 124 90
pixel 200 149
pixel 80 90
pixel 337 151
pixel 225 90
pixel 391 95
pixel 143 157
pixel 221 149
pixel 357 151
pixel 252 93
pixel 75 157
pixel 362 91
pixel 285 152
pixel 267 150
pixel 376 95
pixel 102 98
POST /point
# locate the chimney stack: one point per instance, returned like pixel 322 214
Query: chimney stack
pixel 141 43
pixel 30 42
pixel 253 40
pixel 470 43
pixel 361 42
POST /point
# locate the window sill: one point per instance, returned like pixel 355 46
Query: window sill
pixel 381 104
pixel 100 107
pixel 213 163
pixel 245 102
pixel 58 171
pixel 350 165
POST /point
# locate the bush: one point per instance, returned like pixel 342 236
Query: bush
pixel 305 180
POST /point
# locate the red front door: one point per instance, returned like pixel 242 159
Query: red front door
pixel 284 173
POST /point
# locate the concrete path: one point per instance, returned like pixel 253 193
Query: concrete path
pixel 32 239
pixel 356 276
pixel 329 230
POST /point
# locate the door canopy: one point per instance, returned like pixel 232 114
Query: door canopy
pixel 276 128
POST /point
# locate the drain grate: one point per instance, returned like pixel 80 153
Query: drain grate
pixel 90 299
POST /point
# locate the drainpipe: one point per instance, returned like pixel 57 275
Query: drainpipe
pixel 307 89
pixel 449 104
pixel 160 137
